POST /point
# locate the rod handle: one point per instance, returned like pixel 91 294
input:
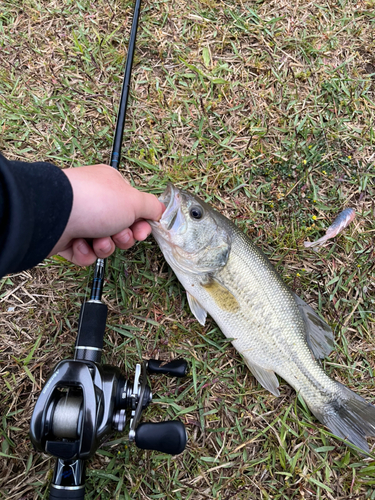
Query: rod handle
pixel 92 320
pixel 167 437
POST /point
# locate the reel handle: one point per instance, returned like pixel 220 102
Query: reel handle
pixel 166 437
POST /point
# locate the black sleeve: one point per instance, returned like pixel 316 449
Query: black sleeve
pixel 35 204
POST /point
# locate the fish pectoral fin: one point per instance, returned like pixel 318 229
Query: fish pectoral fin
pixel 319 335
pixel 197 309
pixel 266 378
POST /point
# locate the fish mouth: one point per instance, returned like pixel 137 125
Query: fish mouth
pixel 167 196
pixel 172 217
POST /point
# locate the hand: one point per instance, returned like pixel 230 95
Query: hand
pixel 107 212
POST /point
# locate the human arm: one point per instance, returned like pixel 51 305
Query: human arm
pixel 35 204
pixel 45 210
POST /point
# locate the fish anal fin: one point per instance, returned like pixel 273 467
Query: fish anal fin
pixel 197 309
pixel 266 378
pixel 319 335
pixel 221 295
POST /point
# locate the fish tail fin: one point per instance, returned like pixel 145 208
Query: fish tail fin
pixel 349 416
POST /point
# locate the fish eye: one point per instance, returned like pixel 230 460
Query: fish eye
pixel 196 212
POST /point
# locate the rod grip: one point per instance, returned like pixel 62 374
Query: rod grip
pixel 92 321
pixel 167 437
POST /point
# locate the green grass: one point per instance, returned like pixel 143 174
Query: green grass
pixel 266 110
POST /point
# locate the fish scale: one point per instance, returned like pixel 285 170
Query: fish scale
pixel 226 276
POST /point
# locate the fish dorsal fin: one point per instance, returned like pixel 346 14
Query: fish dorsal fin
pixel 319 335
pixel 197 309
pixel 266 378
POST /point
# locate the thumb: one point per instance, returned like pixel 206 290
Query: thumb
pixel 147 206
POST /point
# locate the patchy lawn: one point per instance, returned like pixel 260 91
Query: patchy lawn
pixel 266 109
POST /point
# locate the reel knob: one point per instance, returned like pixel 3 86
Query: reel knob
pixel 175 368
pixel 166 437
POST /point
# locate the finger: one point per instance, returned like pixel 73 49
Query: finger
pixel 103 247
pixel 124 239
pixel 141 229
pixel 80 253
pixel 147 206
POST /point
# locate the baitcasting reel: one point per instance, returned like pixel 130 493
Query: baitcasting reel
pixel 83 401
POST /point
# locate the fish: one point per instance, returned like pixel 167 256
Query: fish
pixel 277 333
pixel 339 224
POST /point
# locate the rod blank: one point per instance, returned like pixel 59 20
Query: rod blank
pixel 119 132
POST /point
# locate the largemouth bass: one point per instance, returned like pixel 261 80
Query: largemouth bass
pixel 228 277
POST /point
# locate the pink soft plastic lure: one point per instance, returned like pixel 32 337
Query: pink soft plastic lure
pixel 341 222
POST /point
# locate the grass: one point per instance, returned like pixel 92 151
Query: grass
pixel 265 109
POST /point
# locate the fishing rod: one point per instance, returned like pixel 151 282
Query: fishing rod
pixel 84 401
pixel 98 282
